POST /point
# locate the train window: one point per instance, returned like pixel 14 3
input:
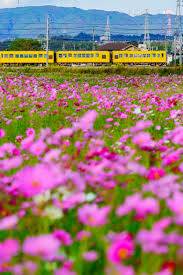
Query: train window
pixel 88 55
pixel 144 55
pixel 35 55
pixel 65 55
pixel 79 55
pixel 125 55
pixel 50 56
pixel 96 55
pixel 158 55
pixel 40 56
pixel 154 55
pixel 21 55
pixel 120 55
pixel 116 56
pixel 131 55
pixel 2 55
pixel 11 56
pixel 60 55
pixel 148 55
pixel 17 56
pixel 70 55
pixel 92 55
pixel 162 54
pixel 45 55
pixel 5 55
pixel 83 55
pixel 104 56
pixel 75 55
pixel 26 56
pixel 30 55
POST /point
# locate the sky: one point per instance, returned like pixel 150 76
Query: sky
pixel 132 7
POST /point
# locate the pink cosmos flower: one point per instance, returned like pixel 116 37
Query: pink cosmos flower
pixel 11 163
pixel 175 203
pixel 119 269
pixel 141 206
pixel 27 142
pixel 92 215
pixel 37 148
pixel 30 132
pixel 90 256
pixel 8 249
pixel 2 133
pixel 121 248
pixel 143 140
pixel 28 268
pixel 44 246
pixel 87 121
pixel 153 241
pixel 164 272
pixel 141 125
pixel 64 271
pixel 9 222
pixel 181 167
pixel 171 158
pixel 35 180
pixel 83 235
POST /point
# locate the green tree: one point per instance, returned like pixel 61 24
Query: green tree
pixel 25 45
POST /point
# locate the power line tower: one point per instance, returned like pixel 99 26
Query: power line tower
pixel 47 40
pixel 147 42
pixel 178 33
pixel 169 16
pixel 107 34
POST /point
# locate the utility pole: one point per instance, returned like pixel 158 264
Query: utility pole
pixel 146 31
pixel 93 31
pixel 47 41
pixel 178 33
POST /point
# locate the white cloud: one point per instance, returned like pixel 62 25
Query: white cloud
pixel 8 3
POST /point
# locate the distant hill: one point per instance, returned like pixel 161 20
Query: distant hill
pixel 30 22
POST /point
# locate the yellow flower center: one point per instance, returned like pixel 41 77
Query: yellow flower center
pixel 35 184
pixel 123 253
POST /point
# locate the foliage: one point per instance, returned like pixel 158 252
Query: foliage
pixel 25 45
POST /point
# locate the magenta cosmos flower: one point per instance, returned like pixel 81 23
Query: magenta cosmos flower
pixel 155 173
pixel 32 181
pixel 44 246
pixel 121 249
pixel 2 133
pixel 92 215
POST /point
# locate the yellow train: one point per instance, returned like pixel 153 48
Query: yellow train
pixel 26 57
pixel 84 57
pixel 139 57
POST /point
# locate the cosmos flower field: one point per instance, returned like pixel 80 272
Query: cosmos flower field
pixel 91 176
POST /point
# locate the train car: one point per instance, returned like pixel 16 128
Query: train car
pixel 26 57
pixel 82 57
pixel 139 57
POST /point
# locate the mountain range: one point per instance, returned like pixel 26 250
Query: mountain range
pixel 31 22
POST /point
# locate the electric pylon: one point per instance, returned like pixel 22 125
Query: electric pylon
pixel 169 25
pixel 108 30
pixel 178 33
pixel 146 31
